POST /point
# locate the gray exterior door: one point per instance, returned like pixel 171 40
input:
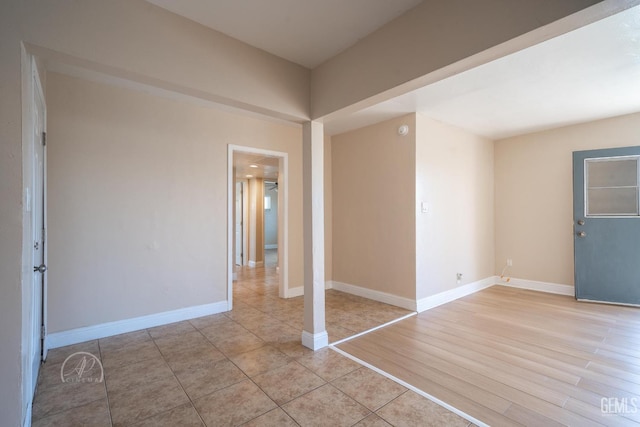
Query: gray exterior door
pixel 607 225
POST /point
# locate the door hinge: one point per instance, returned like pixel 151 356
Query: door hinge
pixel 44 139
pixel 43 332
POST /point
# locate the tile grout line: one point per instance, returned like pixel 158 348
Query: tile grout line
pixel 174 375
pixel 411 387
pixel 278 406
pixel 38 389
pixel 230 385
pixel 104 378
pixel 234 364
pixel 390 402
pixel 177 380
pixel 352 397
pixel 371 411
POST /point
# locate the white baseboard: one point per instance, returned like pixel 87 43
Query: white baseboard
pixel 271 246
pixel 450 295
pixel 379 296
pixel 315 341
pixel 455 293
pixel 256 263
pixel 298 291
pixel 533 285
pixel 75 336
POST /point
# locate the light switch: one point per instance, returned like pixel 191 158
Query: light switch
pixel 424 207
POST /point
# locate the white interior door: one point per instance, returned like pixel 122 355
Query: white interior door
pixel 38 234
pixel 238 223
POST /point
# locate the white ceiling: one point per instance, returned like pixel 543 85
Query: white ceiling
pixel 587 74
pixel 248 165
pixel 307 32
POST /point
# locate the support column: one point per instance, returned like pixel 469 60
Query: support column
pixel 314 335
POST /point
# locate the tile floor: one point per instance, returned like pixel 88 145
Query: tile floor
pixel 245 367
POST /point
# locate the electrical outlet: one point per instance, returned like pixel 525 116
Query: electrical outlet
pixel 458 277
pixel 509 262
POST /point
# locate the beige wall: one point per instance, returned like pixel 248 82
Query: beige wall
pixel 373 192
pixel 137 201
pixel 534 193
pixel 454 176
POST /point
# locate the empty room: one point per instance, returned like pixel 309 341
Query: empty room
pixel 374 212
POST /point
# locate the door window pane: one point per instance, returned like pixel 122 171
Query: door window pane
pixel 613 201
pixel 612 187
pixel 613 173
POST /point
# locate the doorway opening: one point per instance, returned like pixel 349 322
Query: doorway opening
pixel 271 223
pixel 240 222
pixel 257 178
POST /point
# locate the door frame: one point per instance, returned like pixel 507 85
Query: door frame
pixel 31 88
pixel 283 217
pixel 580 159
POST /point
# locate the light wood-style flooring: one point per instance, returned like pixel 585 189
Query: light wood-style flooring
pixel 513 357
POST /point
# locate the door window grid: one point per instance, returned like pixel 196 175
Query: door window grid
pixel 612 187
